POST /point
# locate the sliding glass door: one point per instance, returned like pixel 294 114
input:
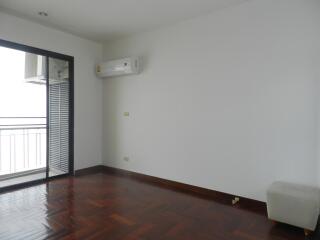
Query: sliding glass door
pixel 36 114
pixel 23 113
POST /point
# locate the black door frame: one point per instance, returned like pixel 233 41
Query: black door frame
pixel 70 60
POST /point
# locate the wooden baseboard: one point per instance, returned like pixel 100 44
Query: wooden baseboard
pixel 89 170
pixel 220 197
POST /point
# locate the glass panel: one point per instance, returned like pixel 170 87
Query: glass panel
pixel 59 96
pixel 22 117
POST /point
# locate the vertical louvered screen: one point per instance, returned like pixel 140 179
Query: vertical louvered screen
pixel 58 119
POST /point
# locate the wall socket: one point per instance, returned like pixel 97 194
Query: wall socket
pixel 126 158
pixel 235 200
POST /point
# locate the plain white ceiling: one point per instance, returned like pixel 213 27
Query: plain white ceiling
pixel 101 20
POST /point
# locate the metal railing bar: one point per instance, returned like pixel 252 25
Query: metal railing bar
pixel 28 149
pixel 25 140
pixel 22 128
pixel 14 154
pixel 10 153
pixel 40 148
pixel 17 125
pixel 0 152
pixel 36 136
pixel 24 148
pixel 20 117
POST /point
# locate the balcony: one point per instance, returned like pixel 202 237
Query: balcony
pixel 22 149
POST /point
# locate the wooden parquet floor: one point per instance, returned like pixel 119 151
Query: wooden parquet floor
pixel 102 207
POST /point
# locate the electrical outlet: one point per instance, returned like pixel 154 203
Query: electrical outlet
pixel 127 159
pixel 235 200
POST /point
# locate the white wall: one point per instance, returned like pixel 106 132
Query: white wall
pixel 226 101
pixel 317 74
pixel 88 88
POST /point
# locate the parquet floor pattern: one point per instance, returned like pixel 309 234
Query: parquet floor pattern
pixel 107 207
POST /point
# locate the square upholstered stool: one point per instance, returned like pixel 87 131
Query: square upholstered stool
pixel 294 204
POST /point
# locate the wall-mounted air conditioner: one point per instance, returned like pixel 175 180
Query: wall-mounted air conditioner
pixel 119 67
pixel 35 70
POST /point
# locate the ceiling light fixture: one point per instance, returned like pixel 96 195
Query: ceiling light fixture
pixel 43 14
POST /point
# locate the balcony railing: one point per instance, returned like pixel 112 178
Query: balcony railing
pixel 22 145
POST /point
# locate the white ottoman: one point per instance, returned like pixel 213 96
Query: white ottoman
pixel 294 204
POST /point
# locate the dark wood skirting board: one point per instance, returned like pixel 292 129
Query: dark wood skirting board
pixel 223 198
pixel 89 170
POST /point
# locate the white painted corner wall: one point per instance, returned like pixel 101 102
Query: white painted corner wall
pixel 226 101
pixel 317 76
pixel 88 88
